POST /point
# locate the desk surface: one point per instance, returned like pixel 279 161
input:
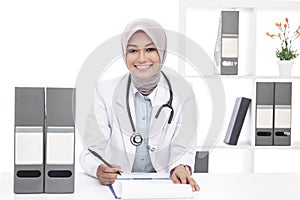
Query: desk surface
pixel 213 186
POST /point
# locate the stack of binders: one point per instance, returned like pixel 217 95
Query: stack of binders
pixel 273 113
pixel 44 140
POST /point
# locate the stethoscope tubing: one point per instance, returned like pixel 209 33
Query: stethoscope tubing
pixel 136 139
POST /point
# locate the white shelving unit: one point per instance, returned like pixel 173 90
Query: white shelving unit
pixel 198 20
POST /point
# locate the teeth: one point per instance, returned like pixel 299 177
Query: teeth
pixel 142 66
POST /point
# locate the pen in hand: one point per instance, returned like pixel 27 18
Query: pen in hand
pixel 104 161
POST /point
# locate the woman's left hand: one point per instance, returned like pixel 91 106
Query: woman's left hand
pixel 182 175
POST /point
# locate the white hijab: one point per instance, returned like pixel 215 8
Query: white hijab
pixel 158 36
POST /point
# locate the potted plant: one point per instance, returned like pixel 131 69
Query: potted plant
pixel 286 54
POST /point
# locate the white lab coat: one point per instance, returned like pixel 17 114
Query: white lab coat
pixel 108 128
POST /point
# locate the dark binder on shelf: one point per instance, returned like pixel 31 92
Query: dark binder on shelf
pixel 227 45
pixel 29 140
pixel 264 114
pixel 282 113
pixel 60 140
pixel 237 120
pixel 201 162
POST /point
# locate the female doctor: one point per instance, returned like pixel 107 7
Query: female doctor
pixel 144 121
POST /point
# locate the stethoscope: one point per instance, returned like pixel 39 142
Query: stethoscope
pixel 136 139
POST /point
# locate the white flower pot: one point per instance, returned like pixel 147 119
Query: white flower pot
pixel 285 67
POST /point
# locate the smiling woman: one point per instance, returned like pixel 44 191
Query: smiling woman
pixel 144 45
pixel 136 122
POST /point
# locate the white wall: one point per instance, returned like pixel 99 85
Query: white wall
pixel 44 44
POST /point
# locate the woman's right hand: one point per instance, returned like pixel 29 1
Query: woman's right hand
pixel 107 175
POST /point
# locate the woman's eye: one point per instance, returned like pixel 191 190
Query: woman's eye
pixel 132 50
pixel 151 49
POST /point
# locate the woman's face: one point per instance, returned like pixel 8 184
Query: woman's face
pixel 142 58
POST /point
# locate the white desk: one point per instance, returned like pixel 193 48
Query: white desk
pixel 213 187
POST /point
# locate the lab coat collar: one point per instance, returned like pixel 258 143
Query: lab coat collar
pixel 122 119
pixel 158 96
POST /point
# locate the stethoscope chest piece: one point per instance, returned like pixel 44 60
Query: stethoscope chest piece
pixel 136 139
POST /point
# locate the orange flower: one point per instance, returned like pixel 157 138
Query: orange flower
pixel 286 38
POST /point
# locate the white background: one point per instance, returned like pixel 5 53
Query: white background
pixel 44 44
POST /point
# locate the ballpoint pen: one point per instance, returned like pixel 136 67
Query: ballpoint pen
pixel 104 161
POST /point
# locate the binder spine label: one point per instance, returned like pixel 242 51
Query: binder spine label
pixel 29 149
pixel 60 148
